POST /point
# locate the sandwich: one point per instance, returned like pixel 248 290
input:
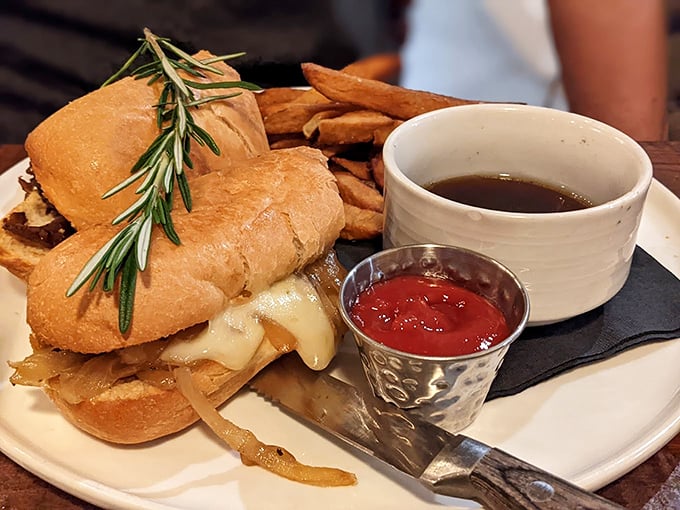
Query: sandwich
pixel 254 278
pixel 244 275
pixel 89 146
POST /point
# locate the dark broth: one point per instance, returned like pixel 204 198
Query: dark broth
pixel 503 193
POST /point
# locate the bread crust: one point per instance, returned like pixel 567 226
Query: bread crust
pixel 90 145
pixel 252 225
pixel 18 257
pixel 136 412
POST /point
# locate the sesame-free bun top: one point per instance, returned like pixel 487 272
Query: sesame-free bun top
pixel 253 224
pixel 90 145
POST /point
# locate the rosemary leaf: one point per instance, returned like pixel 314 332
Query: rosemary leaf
pixel 125 242
pixel 128 285
pixel 143 243
pixel 90 267
pixel 184 190
pixel 223 85
pixel 137 206
pixel 134 177
pixel 125 66
pixel 205 136
pixel 222 58
pixel 190 59
pixel 209 99
pixel 188 69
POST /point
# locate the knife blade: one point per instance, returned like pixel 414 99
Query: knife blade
pixel 446 463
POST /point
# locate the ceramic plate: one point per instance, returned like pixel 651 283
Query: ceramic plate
pixel 590 425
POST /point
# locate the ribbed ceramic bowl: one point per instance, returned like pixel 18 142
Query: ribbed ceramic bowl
pixel 569 262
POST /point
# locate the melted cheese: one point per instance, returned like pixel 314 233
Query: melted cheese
pixel 232 336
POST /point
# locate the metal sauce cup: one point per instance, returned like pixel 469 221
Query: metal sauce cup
pixel 447 391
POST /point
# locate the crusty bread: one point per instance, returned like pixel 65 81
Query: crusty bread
pixel 135 411
pixel 17 256
pixel 252 225
pixel 90 145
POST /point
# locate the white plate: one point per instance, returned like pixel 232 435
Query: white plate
pixel 590 425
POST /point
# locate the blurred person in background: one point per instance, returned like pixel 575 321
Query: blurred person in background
pixel 612 52
pixel 606 59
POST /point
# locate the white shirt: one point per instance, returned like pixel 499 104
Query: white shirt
pixel 492 50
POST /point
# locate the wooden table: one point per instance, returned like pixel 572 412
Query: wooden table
pixel 21 490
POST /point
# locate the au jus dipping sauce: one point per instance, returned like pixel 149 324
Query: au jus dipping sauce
pixel 504 193
pixel 428 316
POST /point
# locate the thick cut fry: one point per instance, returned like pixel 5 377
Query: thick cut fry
pixel 354 127
pixel 312 124
pixel 378 170
pixel 389 99
pixel 270 98
pixel 291 117
pixel 360 169
pixel 380 134
pixel 332 150
pixel 361 223
pixel 383 66
pixel 356 192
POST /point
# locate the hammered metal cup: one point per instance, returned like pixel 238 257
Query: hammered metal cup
pixel 447 391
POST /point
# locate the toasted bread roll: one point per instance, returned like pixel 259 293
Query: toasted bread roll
pixel 253 224
pixel 90 145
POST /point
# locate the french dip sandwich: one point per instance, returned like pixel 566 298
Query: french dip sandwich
pixel 255 277
pixel 89 146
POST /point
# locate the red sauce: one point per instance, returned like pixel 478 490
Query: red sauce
pixel 428 316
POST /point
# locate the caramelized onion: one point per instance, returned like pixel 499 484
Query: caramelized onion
pixel 143 354
pixel 43 365
pixel 326 275
pixel 161 378
pixel 253 451
pixel 96 375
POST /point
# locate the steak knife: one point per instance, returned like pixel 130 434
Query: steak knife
pixel 446 463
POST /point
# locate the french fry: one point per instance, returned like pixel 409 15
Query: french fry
pixel 312 125
pixel 392 100
pixel 383 66
pixel 360 169
pixel 378 170
pixel 354 127
pixel 356 192
pixel 270 98
pixel 332 150
pixel 380 134
pixel 361 223
pixel 291 117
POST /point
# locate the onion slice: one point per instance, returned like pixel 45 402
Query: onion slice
pixel 252 450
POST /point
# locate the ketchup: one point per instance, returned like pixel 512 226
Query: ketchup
pixel 428 316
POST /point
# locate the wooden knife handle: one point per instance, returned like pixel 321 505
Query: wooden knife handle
pixel 499 480
pixel 504 481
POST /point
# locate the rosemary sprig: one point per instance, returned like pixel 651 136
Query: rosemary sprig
pixel 161 166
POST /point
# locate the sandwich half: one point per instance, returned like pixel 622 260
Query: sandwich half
pixel 254 277
pixel 89 146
